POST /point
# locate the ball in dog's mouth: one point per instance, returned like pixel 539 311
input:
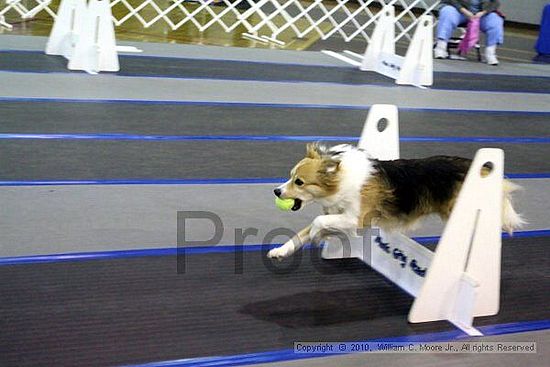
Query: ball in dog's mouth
pixel 297 205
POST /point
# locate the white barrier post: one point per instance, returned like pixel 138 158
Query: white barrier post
pixel 66 28
pixel 417 68
pixel 382 41
pixel 95 50
pixel 461 279
pixel 380 135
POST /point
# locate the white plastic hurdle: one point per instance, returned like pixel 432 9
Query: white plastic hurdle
pixel 66 28
pixel 84 34
pixel 461 279
pixel 96 50
pixel 416 68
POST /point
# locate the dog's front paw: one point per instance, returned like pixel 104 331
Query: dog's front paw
pixel 280 253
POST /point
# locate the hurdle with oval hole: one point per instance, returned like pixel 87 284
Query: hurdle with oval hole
pixel 416 68
pixel 461 279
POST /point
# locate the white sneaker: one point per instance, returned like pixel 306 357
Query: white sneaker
pixel 440 50
pixel 491 55
pixel 440 54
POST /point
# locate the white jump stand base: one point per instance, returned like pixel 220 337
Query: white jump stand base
pixel 84 34
pixel 461 279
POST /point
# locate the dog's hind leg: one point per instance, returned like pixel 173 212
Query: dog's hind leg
pixel 292 245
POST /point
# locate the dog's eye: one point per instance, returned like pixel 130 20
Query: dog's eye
pixel 298 182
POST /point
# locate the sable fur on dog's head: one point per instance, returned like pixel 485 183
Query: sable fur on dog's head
pixel 316 176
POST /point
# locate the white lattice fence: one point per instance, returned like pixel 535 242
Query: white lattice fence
pixel 200 14
pixel 25 9
pixel 262 19
pixel 349 19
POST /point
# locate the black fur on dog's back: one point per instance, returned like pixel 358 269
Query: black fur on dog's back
pixel 421 183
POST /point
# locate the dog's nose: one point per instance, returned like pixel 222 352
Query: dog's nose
pixel 277 192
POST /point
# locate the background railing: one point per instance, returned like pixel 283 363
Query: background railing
pixel 264 20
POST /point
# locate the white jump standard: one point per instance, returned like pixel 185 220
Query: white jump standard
pixel 416 68
pixel 461 279
pixel 84 34
pixel 368 185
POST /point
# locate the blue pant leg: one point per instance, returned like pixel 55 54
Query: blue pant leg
pixel 449 19
pixel 493 26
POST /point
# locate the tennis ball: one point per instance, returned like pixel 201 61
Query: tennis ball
pixel 284 204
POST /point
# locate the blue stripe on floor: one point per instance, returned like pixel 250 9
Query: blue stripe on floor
pixel 111 255
pixel 526 176
pixel 289 355
pixel 197 181
pixel 256 104
pixel 274 138
pixel 207 181
pixel 123 254
pixel 279 81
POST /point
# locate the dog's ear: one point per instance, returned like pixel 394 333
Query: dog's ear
pixel 312 151
pixel 330 166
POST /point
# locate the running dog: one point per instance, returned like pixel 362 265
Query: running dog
pixel 357 191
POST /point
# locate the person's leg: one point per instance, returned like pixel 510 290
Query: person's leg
pixel 449 19
pixel 493 26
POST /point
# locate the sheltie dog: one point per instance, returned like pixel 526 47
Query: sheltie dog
pixel 357 191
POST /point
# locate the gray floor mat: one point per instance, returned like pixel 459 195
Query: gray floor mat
pixel 137 310
pixel 188 119
pixel 232 70
pixel 81 160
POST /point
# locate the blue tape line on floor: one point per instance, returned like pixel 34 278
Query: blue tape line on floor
pixel 289 354
pixel 207 181
pixel 273 138
pixel 258 104
pixel 122 254
pixel 192 181
pixel 107 255
pixel 526 176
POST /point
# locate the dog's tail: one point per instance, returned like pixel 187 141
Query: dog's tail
pixel 511 220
